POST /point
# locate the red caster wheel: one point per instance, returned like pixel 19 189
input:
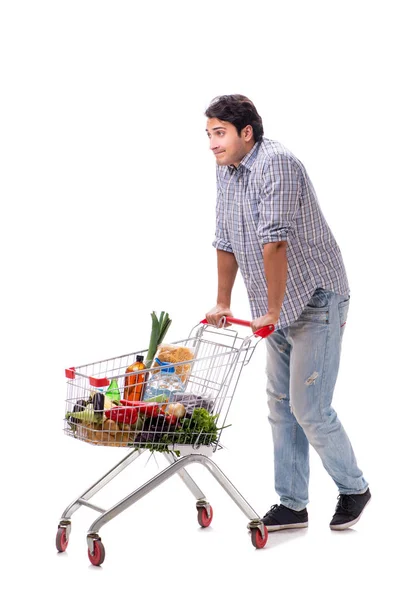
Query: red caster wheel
pixel 257 539
pixel 99 553
pixel 202 517
pixel 61 539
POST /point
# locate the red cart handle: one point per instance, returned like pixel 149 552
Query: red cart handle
pixel 263 332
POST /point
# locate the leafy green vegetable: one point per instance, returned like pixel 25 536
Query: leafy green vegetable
pixel 158 332
pixel 199 429
pixel 203 420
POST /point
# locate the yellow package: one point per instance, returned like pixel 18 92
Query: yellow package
pixel 176 354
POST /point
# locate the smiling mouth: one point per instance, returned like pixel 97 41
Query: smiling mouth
pixel 221 152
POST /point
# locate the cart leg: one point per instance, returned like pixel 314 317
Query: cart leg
pixel 187 480
pixel 177 466
pixel 204 509
pixel 64 527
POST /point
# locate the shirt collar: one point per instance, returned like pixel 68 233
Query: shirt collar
pixel 248 160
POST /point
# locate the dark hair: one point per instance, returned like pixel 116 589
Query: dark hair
pixel 238 110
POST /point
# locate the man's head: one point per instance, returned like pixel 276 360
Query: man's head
pixel 233 126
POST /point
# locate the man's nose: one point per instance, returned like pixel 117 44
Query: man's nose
pixel 214 143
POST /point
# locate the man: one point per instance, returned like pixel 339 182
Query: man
pixel 270 227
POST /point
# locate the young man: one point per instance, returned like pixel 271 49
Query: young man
pixel 270 227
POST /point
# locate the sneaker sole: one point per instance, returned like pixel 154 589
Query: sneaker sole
pixel 291 526
pixel 350 523
pixel 277 527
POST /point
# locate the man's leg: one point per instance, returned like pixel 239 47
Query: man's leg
pixel 291 448
pixel 314 362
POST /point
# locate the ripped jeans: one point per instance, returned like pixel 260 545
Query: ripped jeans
pixel 302 366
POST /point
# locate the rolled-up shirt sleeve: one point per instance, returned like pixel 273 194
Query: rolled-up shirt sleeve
pixel 221 240
pixel 279 200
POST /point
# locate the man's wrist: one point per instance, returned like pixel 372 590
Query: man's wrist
pixel 223 303
pixel 273 313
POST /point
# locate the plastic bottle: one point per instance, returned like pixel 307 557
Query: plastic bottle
pixel 165 381
pixel 133 389
pixel 113 392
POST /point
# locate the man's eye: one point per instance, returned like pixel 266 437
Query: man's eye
pixel 220 133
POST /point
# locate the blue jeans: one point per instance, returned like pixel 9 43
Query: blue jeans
pixel 302 366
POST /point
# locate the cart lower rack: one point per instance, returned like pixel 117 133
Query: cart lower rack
pixel 178 408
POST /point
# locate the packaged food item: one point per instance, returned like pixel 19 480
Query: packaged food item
pixel 134 380
pixel 108 433
pixel 191 401
pixel 168 353
pixel 165 381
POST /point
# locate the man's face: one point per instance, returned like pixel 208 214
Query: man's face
pixel 228 147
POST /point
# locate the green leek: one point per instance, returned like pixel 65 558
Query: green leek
pixel 158 331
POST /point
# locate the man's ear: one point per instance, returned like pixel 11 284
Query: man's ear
pixel 247 133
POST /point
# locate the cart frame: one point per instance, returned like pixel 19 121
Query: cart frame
pixel 242 350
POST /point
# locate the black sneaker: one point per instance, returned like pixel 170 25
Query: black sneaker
pixel 349 509
pixel 281 517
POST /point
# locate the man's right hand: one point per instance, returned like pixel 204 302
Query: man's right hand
pixel 215 315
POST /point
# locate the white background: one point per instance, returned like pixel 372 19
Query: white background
pixel 107 208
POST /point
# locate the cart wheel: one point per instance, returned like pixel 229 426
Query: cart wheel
pixel 61 539
pixel 98 555
pixel 257 539
pixel 202 517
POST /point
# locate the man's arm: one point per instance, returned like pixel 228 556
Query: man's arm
pixel 227 268
pixel 275 267
pixel 279 204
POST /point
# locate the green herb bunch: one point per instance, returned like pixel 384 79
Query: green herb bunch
pixel 199 429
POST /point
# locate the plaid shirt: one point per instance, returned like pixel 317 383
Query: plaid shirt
pixel 270 198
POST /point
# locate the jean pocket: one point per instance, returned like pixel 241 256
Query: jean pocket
pixel 343 311
pixel 317 309
pixel 315 315
pixel 319 299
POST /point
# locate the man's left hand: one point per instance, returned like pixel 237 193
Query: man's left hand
pixel 268 319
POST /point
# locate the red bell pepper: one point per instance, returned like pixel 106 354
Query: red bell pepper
pixel 149 409
pixel 170 419
pixel 126 414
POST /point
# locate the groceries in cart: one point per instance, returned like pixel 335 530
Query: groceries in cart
pixel 163 381
pixel 134 379
pixel 153 424
pixel 148 403
pixel 170 354
pixel 159 328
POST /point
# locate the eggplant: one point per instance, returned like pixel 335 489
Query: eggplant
pixel 98 402
pixel 157 423
pixel 80 406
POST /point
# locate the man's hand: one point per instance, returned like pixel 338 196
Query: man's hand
pixel 268 319
pixel 215 314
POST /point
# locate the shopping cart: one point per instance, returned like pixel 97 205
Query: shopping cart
pixel 209 380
